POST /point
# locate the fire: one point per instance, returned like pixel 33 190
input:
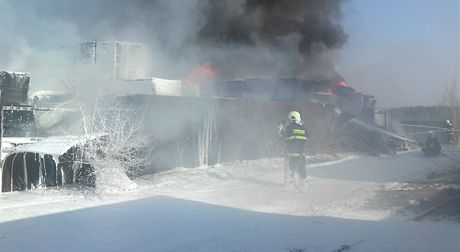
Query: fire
pixel 203 72
pixel 342 83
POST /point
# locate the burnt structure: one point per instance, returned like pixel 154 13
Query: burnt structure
pixel 16 122
pixel 236 120
pixel 331 92
pixel 14 86
pixel 201 131
pixel 116 60
pixel 352 117
pixel 187 124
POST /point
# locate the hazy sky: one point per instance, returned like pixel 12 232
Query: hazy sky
pixel 403 52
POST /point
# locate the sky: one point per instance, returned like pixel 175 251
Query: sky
pixel 402 52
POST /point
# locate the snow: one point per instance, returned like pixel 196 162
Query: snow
pixel 9 144
pixel 241 206
pixel 56 145
pixel 44 93
pixel 16 73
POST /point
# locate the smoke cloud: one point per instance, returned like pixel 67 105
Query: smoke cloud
pixel 240 38
pixel 270 21
pixel 291 38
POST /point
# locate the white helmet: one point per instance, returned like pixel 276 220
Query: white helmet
pixel 294 117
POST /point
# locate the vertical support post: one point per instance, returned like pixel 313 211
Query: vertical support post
pixel 456 127
pixel 1 122
pixel 385 116
pixel 115 59
pixel 94 52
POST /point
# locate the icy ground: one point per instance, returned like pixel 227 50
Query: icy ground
pixel 242 206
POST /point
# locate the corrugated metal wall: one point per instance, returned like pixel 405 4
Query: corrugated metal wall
pixel 191 131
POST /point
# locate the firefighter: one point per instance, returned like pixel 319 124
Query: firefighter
pixel 432 146
pixel 296 136
pixel 450 130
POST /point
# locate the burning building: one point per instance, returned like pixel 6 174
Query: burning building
pixel 259 60
pixel 204 120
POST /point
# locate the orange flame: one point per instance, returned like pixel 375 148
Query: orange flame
pixel 200 73
pixel 342 83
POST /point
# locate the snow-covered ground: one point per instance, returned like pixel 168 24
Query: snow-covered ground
pixel 242 206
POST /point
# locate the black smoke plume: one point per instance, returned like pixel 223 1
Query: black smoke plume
pixel 269 21
pixel 298 35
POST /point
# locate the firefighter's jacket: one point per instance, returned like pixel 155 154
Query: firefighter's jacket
pixel 432 146
pixel 296 136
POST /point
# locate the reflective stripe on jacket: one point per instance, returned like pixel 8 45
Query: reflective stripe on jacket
pixel 296 136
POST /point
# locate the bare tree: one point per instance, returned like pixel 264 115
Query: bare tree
pixel 451 96
pixel 117 154
pixel 120 151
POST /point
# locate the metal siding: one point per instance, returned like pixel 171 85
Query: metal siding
pixel 192 131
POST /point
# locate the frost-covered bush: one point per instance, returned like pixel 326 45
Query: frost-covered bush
pixel 117 154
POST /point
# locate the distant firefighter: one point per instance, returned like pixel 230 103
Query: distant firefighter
pixel 296 136
pixel 450 130
pixel 431 146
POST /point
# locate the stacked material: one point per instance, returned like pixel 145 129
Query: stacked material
pixel 14 86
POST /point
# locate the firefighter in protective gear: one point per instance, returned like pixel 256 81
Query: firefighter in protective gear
pixel 296 136
pixel 431 146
